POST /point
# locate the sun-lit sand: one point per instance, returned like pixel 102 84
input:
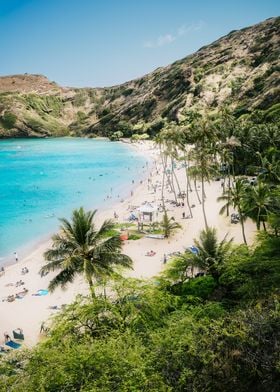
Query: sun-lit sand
pixel 29 312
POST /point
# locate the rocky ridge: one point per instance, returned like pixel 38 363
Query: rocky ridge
pixel 240 70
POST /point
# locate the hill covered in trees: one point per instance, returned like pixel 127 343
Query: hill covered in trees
pixel 240 71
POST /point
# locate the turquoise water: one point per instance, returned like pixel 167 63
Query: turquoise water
pixel 43 179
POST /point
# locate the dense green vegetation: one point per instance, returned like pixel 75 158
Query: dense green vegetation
pixel 216 330
pixel 194 334
pixel 8 120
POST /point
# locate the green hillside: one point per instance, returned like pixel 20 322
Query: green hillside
pixel 240 70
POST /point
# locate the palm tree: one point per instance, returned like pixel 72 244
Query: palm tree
pixel 168 142
pixel 79 248
pixel 193 172
pixel 160 140
pixel 180 268
pixel 235 197
pixel 211 254
pixel 274 215
pixel 258 203
pixel 204 154
pixel 274 223
pixel 204 169
pixel 168 225
pixel 227 148
pixel 270 166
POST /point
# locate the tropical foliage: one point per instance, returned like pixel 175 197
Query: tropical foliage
pixel 205 334
pixel 81 248
pixel 169 226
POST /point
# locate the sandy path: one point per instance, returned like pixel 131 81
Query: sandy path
pixel 29 312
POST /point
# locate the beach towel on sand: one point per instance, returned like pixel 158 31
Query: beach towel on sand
pixel 13 344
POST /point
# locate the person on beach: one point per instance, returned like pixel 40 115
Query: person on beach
pixel 42 328
pixel 164 258
pixel 7 337
pixel 24 270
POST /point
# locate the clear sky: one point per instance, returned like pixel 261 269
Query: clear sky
pixel 106 42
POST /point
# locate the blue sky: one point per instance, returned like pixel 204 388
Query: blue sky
pixel 106 42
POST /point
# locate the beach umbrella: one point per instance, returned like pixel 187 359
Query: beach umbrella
pixel 193 249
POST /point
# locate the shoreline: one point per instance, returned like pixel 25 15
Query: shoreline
pixel 7 260
pixel 29 312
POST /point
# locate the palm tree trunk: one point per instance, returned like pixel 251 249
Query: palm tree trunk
pixel 176 179
pixel 171 182
pixel 264 227
pixel 228 204
pixel 203 202
pixel 242 226
pixel 224 181
pixel 187 173
pixel 228 174
pixel 163 180
pixel 233 170
pixel 196 191
pixel 187 192
pixel 171 185
pixel 91 288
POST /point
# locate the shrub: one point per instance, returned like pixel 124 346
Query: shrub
pixel 201 287
pixel 79 99
pixel 134 236
pixel 8 120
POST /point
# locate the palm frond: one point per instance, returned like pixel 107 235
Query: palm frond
pixel 107 226
pixel 62 279
pixel 51 266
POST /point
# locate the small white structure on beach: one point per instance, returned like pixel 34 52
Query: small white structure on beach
pixel 148 212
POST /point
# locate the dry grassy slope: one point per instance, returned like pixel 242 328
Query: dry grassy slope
pixel 240 70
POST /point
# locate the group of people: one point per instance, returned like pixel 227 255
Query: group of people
pixel 24 270
pixel 19 283
pixel 19 295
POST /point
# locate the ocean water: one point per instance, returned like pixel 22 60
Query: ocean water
pixel 43 179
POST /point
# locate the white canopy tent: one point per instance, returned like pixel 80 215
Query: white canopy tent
pixel 148 212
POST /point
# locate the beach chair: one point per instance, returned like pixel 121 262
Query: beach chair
pixel 155 236
pixel 17 334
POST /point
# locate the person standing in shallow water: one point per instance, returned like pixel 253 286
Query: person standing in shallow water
pixel 16 256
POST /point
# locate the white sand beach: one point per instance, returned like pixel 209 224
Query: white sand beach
pixel 31 310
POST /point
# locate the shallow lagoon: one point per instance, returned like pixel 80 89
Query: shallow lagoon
pixel 42 179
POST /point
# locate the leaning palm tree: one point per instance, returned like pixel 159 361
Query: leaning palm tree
pixel 168 225
pixel 235 197
pixel 211 254
pixel 80 248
